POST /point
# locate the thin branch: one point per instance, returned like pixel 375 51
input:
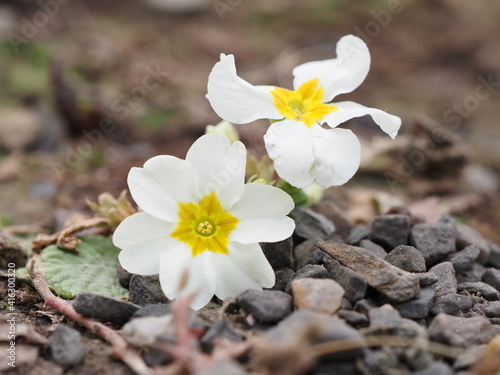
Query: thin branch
pixel 121 350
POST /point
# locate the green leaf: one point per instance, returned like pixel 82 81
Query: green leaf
pixel 298 196
pixel 93 270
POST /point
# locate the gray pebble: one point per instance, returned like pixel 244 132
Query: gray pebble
pixel 146 290
pixel 355 285
pixel 494 255
pixel 358 233
pixel 493 309
pixel 373 248
pixel 462 259
pixel 310 224
pixel 390 230
pixel 458 331
pixel 466 235
pixel 407 258
pixel 480 289
pixel 66 346
pixel 492 277
pixel 266 306
pixel 279 254
pixel 452 304
pixel 417 308
pixel 446 283
pixel 283 277
pixel 434 240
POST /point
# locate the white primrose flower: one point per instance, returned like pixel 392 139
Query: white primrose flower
pixel 200 216
pixel 302 150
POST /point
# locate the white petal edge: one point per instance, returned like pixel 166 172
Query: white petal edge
pixel 141 228
pixel 246 267
pixel 289 145
pixel 390 124
pixel 340 75
pixel 269 229
pixel 337 155
pixel 236 100
pixel 220 167
pixel 161 183
pixel 200 271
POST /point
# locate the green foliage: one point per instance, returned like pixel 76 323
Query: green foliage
pixel 93 270
pixel 298 196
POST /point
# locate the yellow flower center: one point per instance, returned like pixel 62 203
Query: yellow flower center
pixel 205 226
pixel 305 104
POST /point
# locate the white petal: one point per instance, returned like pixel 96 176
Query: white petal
pixel 236 100
pixel 390 124
pixel 140 228
pixel 340 75
pixel 200 271
pixel 289 145
pixel 263 230
pixel 164 181
pixel 246 267
pixel 145 259
pixel 337 155
pixel 220 167
pixel 260 201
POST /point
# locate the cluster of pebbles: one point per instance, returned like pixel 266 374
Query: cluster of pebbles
pixel 396 296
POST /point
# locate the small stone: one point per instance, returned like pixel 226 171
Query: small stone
pixel 434 240
pixel 407 258
pixel 492 277
pixel 462 259
pixel 106 309
pixel 315 271
pixel 373 248
pixel 160 309
pixel 266 306
pixel 452 304
pixel 466 236
pixel 446 283
pixel 493 309
pixel 435 368
pixel 320 295
pixel 66 346
pixel 223 367
pixel 283 277
pixel 474 273
pixel 310 224
pixel 364 306
pixel 387 320
pixel 427 278
pixel 494 255
pixel 458 331
pixel 146 290
pixel 396 284
pixel 390 230
pixel 303 252
pixel 417 308
pixel 480 289
pixel 355 285
pixel 219 330
pixel 334 213
pixel 355 319
pixel 357 234
pixel 124 276
pixel 279 254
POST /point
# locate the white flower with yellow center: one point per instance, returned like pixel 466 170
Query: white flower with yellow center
pixel 302 150
pixel 199 216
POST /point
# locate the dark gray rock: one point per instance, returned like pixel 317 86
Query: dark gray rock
pixel 146 290
pixel 333 212
pixel 466 236
pixel 152 310
pixel 353 318
pixel 106 309
pixel 313 271
pixel 446 283
pixel 396 284
pixel 463 259
pixel 386 320
pixel 219 330
pixel 494 255
pixel 283 278
pixel 407 258
pixel 452 304
pixel 434 240
pixel 492 310
pixel 279 254
pixel 373 248
pixel 357 234
pixel 310 224
pixel 390 230
pixel 457 331
pixel 266 306
pixel 319 328
pixel 364 306
pixel 354 284
pixel 480 289
pixel 417 308
pixel 154 356
pixel 303 252
pixel 66 346
pixel 427 278
pixel 435 368
pixel 474 273
pixel 124 276
pixel 492 277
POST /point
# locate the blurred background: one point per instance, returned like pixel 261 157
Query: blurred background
pixel 89 89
